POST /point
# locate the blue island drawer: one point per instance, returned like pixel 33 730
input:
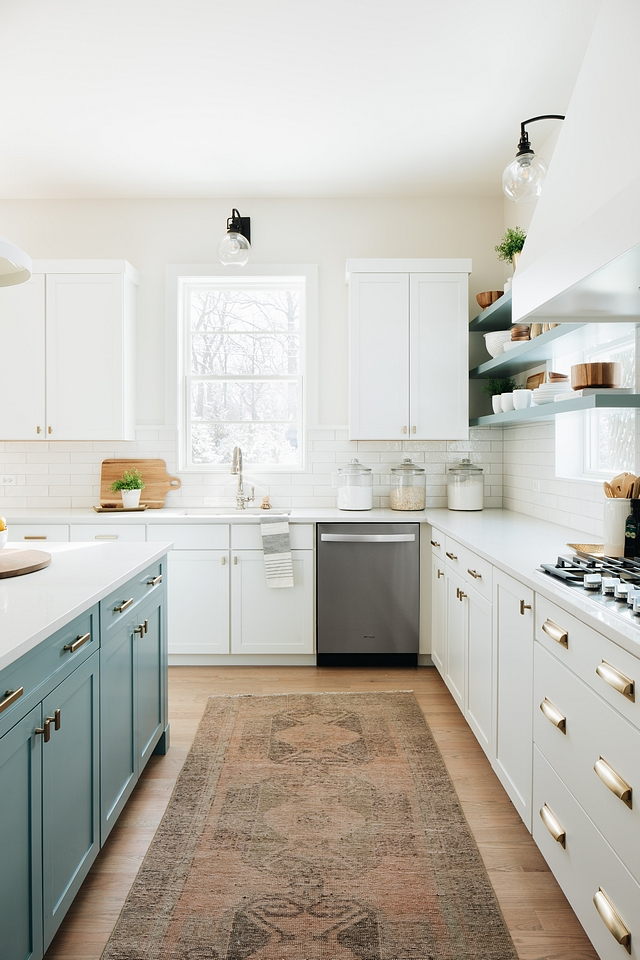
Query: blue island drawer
pixel 119 604
pixel 44 667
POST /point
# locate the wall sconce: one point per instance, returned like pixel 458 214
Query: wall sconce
pixel 522 178
pixel 15 264
pixel 236 244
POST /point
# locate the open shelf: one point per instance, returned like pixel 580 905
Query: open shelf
pixel 547 411
pixel 527 354
pixel 495 317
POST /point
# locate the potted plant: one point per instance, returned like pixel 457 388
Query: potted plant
pixel 510 247
pixel 495 387
pixel 130 486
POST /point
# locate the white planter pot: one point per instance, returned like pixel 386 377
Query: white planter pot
pixel 130 498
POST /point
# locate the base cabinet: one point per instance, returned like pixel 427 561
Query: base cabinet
pixel 199 607
pixel 438 615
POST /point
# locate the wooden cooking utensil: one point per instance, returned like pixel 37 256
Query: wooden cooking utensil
pixel 616 484
pixel 627 485
pixel 608 490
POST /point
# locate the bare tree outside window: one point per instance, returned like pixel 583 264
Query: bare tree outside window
pixel 243 370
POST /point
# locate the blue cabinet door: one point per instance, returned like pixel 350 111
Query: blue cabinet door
pixel 117 741
pixel 20 840
pixel 150 659
pixel 70 791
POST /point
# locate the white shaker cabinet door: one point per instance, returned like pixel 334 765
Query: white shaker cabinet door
pixel 438 615
pixel 439 376
pixel 479 712
pixel 268 620
pixel 22 403
pixel 198 602
pixel 379 356
pixel 456 618
pixel 514 691
pixel 89 356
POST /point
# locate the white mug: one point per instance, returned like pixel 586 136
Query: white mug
pixel 496 403
pixel 522 399
pixel 506 402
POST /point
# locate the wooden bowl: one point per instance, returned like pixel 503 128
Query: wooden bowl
pixel 488 297
pixel 596 375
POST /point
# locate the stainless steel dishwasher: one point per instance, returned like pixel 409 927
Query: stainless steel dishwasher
pixel 368 593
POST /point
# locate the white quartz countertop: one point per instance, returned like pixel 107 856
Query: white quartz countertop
pixel 213 515
pixel 35 605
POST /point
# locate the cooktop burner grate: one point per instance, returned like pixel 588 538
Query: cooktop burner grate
pixel 610 581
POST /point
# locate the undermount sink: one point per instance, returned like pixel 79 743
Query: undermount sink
pixel 232 512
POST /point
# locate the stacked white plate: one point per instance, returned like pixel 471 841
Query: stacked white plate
pixel 547 392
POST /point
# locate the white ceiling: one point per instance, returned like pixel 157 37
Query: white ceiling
pixel 205 98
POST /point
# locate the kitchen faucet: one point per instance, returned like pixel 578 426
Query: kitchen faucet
pixel 236 467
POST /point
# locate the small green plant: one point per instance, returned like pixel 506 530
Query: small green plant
pixel 512 242
pixel 494 386
pixel 130 480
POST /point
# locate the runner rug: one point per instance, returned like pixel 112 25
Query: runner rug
pixel 312 827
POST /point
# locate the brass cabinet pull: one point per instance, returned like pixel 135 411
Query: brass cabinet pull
pixel 404 429
pixel 77 643
pixel 612 919
pixel 614 781
pixel 155 581
pixel 146 626
pixel 235 560
pixel 414 429
pixel 38 430
pixel 106 536
pixel 55 720
pixel 434 543
pixel 551 823
pixel 623 684
pixel 440 574
pixel 49 430
pixel 556 633
pixel 451 556
pixel 475 574
pixel 123 606
pixel 553 714
pixel 139 629
pixel 223 561
pixel 524 606
pixel 461 595
pixel 46 730
pixel 10 697
pixel 39 537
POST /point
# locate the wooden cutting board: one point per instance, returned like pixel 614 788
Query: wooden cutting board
pixel 14 563
pixel 154 473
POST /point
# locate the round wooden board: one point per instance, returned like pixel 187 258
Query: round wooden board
pixel 14 563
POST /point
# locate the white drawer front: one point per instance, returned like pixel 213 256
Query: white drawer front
pixel 593 731
pixel 54 532
pixel 190 536
pixel 453 554
pixel 478 572
pixel 107 531
pixel 437 543
pixel 586 863
pixel 246 536
pixel 585 652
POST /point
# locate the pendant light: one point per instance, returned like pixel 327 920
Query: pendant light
pixel 236 244
pixel 15 264
pixel 523 177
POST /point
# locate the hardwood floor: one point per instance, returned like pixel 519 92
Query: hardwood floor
pixel 542 924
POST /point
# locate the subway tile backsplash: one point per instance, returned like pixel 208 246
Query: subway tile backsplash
pixel 66 475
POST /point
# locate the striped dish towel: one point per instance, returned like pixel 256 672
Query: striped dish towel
pixel 276 546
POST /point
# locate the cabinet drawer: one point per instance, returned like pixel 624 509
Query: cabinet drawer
pixel 54 532
pixel 472 568
pixel 122 602
pixel 107 531
pixel 593 731
pixel 585 864
pixel 190 536
pixel 49 663
pixel 438 540
pixel 585 652
pixel 246 536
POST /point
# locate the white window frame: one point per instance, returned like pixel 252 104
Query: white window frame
pixel 177 278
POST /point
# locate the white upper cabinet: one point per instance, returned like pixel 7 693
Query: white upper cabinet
pixel 408 335
pixel 68 341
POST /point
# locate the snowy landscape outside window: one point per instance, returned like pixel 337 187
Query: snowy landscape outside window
pixel 243 355
pixel 610 436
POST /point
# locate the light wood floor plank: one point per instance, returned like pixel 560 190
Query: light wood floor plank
pixel 542 924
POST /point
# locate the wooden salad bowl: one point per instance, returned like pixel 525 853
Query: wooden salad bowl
pixel 596 375
pixel 488 297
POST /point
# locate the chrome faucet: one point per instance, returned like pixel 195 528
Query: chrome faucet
pixel 236 467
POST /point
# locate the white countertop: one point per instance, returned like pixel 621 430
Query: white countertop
pixel 203 515
pixel 35 605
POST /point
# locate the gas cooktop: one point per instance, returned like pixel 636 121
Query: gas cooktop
pixel 609 581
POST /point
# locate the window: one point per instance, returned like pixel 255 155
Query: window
pixel 242 363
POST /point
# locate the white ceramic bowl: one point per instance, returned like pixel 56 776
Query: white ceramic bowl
pixel 512 344
pixel 521 399
pixel 3 538
pixel 496 403
pixel 496 340
pixel 507 402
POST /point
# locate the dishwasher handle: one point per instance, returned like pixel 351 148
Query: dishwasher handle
pixel 368 537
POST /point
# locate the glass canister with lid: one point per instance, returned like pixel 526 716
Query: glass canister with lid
pixel 355 486
pixel 466 486
pixel 408 486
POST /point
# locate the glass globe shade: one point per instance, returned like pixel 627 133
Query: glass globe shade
pixel 523 177
pixel 234 250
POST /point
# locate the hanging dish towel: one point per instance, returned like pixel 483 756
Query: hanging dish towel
pixel 276 546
